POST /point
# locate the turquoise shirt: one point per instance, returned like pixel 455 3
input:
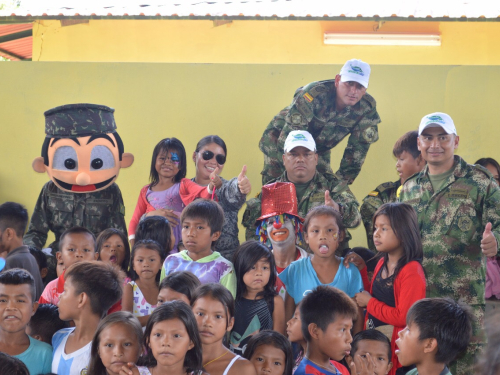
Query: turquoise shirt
pixel 37 358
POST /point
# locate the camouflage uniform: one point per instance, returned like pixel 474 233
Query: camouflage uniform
pixel 313 196
pixel 384 193
pixel 313 109
pixel 452 223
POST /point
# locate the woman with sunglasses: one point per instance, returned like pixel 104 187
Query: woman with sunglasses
pixel 209 158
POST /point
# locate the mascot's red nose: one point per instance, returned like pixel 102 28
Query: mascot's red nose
pixel 277 225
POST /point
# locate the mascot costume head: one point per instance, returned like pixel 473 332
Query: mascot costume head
pixel 82 152
pixel 280 224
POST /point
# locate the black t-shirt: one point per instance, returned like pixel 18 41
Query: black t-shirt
pixel 383 290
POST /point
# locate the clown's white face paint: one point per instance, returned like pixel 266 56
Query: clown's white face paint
pixel 282 236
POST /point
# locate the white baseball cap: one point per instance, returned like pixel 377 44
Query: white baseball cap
pixel 437 119
pixel 357 71
pixel 298 138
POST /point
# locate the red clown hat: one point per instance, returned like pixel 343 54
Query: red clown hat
pixel 278 199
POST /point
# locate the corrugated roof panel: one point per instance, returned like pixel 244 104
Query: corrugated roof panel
pixel 20 47
pixel 264 8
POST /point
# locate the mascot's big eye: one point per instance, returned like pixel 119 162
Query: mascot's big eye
pixel 101 158
pixel 65 159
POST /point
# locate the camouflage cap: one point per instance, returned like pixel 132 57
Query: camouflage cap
pixel 77 120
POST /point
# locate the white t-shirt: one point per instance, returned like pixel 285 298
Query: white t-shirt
pixel 75 363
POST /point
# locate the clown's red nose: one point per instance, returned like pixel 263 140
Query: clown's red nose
pixel 277 225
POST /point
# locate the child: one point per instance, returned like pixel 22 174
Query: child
pixel 156 228
pixel 41 260
pixel 271 353
pixel 168 191
pixel 399 279
pixel 141 294
pixel 213 307
pixel 117 342
pixel 257 307
pixel 90 289
pixel 294 332
pixel 45 323
pixel 12 366
pixel 280 226
pixel 76 245
pixel 201 226
pixel 370 351
pixel 13 220
pixel 323 231
pixel 437 330
pixel 172 342
pixel 178 286
pixel 17 306
pixel 113 248
pixel 327 319
pixel 409 162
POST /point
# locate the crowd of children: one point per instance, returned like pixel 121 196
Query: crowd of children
pixel 172 304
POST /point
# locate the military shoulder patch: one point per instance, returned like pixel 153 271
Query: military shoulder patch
pixel 308 97
pixel 316 90
pixel 373 193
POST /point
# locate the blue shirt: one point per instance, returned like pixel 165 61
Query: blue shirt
pixel 300 278
pixel 37 358
pixel 75 363
pixel 306 367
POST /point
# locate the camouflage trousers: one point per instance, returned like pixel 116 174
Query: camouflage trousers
pixel 464 365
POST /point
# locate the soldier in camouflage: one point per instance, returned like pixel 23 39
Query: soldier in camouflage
pixel 409 161
pixel 458 208
pixel 82 154
pixel 329 110
pixel 312 188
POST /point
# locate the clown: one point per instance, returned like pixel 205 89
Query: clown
pixel 82 154
pixel 280 226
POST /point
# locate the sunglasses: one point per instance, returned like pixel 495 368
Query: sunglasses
pixel 208 155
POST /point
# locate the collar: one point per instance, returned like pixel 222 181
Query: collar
pixel 459 169
pixel 21 249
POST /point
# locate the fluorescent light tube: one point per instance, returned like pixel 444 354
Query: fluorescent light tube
pixel 376 39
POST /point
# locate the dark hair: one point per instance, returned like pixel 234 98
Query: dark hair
pixel 219 293
pixel 176 310
pixel 105 235
pixel 245 257
pixel 273 338
pixel 489 362
pixel 47 141
pixel 407 142
pixel 96 367
pixel 144 244
pixel 19 276
pixel 211 139
pixel 166 145
pixel 183 282
pixel 15 216
pixel 207 210
pixel 76 230
pixel 45 322
pixel 101 282
pixel 326 211
pixel 489 161
pixel 404 223
pixel 334 303
pixel 445 320
pixel 155 228
pixel 373 335
pixel 39 256
pixel 12 366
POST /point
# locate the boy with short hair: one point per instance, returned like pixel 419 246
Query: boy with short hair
pixel 17 305
pixel 202 222
pixel 409 161
pixel 76 244
pixel 13 221
pixel 370 352
pixel 437 330
pixel 327 316
pixel 45 323
pixel 90 289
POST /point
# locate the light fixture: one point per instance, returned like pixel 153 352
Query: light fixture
pixel 376 39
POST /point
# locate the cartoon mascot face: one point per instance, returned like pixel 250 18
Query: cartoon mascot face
pixel 82 151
